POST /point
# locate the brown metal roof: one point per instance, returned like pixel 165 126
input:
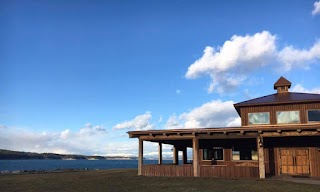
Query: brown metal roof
pixel 281 98
pixel 282 82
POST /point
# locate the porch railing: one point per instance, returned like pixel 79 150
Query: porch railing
pixel 167 170
pixel 223 171
pixel 236 170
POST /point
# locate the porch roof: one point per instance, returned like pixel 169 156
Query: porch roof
pixel 229 132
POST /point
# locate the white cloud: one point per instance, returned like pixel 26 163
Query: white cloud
pixel 316 9
pixel 140 122
pixel 209 115
pixel 292 57
pixel 212 114
pixel 237 56
pixel 300 88
pixel 235 123
pixel 173 122
pixel 67 141
pixel 65 134
pixel 178 91
pixel 230 65
pixel 91 130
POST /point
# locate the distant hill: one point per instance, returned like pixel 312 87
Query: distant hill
pixel 16 155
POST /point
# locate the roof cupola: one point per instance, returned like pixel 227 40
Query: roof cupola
pixel 282 85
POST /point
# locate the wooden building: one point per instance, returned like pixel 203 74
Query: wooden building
pixel 279 134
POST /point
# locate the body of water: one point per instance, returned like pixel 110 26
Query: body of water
pixel 47 165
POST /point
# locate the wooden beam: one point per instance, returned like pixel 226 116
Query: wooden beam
pixel 195 152
pixel 166 137
pixel 160 153
pixel 175 155
pixel 228 136
pixel 262 169
pixel 140 157
pixel 291 133
pixel 184 156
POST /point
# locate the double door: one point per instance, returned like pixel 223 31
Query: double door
pixel 294 161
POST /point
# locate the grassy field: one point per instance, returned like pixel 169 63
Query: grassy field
pixel 127 180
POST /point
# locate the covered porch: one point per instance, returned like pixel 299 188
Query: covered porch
pixel 219 152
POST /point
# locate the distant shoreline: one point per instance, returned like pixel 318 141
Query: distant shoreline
pixel 18 155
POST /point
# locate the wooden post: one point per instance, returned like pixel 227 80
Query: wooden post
pixel 195 152
pixel 184 155
pixel 160 153
pixel 140 157
pixel 262 170
pixel 175 155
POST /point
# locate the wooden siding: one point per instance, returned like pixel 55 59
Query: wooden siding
pixel 168 170
pixel 234 172
pixel 314 161
pixel 219 171
pixel 272 109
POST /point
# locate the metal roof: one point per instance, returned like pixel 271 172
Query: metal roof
pixel 281 98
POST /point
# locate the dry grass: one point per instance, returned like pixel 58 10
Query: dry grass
pixel 127 180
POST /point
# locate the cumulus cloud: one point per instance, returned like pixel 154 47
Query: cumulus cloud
pixel 316 9
pixel 239 54
pixel 66 141
pixel 91 130
pixel 300 88
pixel 229 65
pixel 292 57
pixel 140 122
pixel 215 113
pixel 173 122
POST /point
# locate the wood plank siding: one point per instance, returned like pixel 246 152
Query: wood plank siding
pixel 272 109
pixel 223 171
pixel 168 170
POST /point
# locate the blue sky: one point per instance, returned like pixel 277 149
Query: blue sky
pixel 75 76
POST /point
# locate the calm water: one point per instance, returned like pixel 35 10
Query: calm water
pixel 13 165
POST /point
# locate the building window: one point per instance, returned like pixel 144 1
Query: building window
pixel 288 117
pixel 259 118
pixel 314 115
pixel 216 153
pixel 244 154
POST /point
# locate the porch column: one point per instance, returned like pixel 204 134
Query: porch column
pixel 140 157
pixel 175 155
pixel 160 153
pixel 195 152
pixel 262 170
pixel 184 155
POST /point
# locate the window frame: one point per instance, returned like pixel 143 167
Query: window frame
pixel 289 122
pixel 259 123
pixel 307 114
pixel 252 151
pixel 213 148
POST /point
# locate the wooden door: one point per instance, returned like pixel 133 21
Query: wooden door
pixel 294 161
